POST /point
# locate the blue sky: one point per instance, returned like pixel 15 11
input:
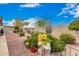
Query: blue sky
pixel 56 13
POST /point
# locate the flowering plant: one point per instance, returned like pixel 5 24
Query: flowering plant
pixel 42 39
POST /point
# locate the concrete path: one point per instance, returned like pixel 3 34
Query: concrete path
pixel 3 46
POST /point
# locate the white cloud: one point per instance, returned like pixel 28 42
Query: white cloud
pixel 71 12
pixel 71 9
pixel 30 5
pixel 30 20
pixel 8 23
pixel 31 23
pixel 76 12
pixel 71 5
pixel 76 15
pixel 61 13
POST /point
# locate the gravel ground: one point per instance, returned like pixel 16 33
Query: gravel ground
pixel 16 46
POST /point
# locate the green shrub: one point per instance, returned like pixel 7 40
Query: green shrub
pixel 58 46
pixel 74 25
pixel 34 39
pixel 31 42
pixel 27 43
pixel 21 34
pixel 16 28
pixel 52 42
pixel 34 34
pixel 67 38
pixel 50 37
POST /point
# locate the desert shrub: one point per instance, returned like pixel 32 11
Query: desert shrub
pixel 58 46
pixel 50 37
pixel 67 38
pixel 16 28
pixel 21 34
pixel 52 42
pixel 35 34
pixel 31 42
pixel 29 31
pixel 27 43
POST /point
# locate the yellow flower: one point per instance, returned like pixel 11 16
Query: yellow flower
pixel 44 36
pixel 39 39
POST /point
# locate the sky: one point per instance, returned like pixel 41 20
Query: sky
pixel 56 13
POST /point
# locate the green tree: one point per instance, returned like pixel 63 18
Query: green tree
pixel 44 24
pixel 41 23
pixel 18 24
pixel 74 25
